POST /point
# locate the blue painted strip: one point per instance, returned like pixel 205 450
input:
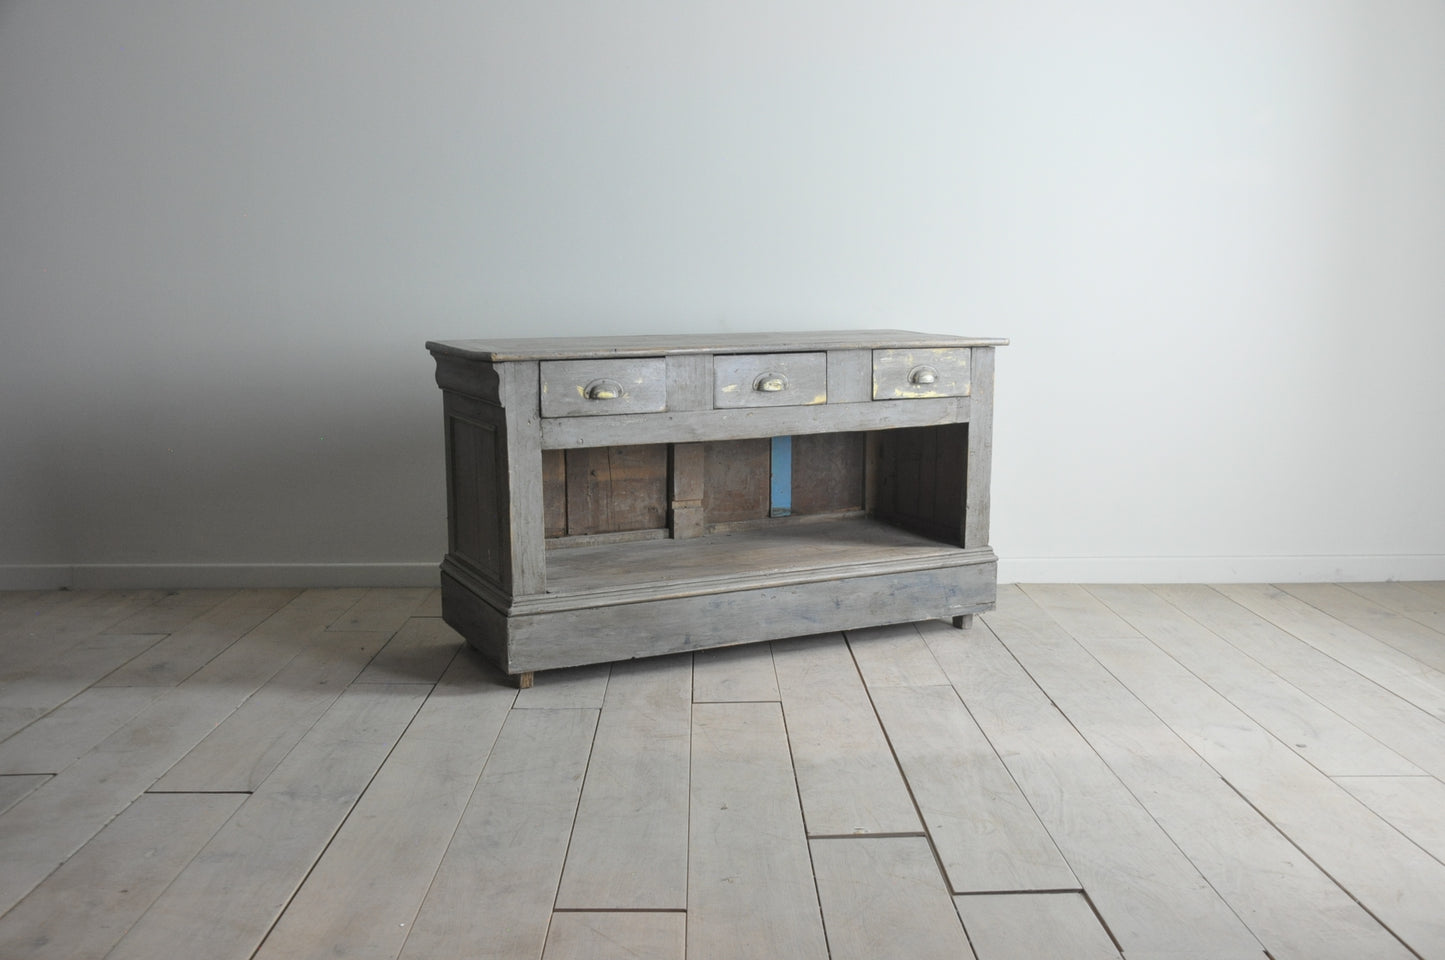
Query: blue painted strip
pixel 782 492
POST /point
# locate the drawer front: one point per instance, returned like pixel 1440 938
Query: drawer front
pixel 594 388
pixel 906 374
pixel 770 380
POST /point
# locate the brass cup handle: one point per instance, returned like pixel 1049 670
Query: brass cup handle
pixel 922 375
pixel 603 389
pixel 771 383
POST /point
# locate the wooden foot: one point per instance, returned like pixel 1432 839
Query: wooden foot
pixel 964 621
pixel 522 681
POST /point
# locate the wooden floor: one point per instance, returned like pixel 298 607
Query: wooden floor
pixel 1171 772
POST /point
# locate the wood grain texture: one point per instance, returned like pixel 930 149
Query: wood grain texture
pixel 629 843
pixel 1411 805
pixel 1312 730
pixel 171 612
pixel 493 893
pixel 1146 890
pixel 1396 881
pixel 57 819
pixel 1254 869
pixel 828 472
pixel 573 635
pixel 1425 643
pixel 911 373
pixel 750 889
pixel 977 496
pixel 615 489
pixel 735 480
pixel 419 652
pixel 791 379
pixel 86 905
pixel 573 687
pixel 364 893
pixel 1034 926
pixel 616 936
pixel 744 422
pixel 894 656
pixel 226 899
pixel 570 388
pixel 35 692
pixel 1374 709
pixel 15 787
pixel 734 674
pixel 987 836
pixel 382 609
pixel 689 382
pixel 523 534
pixel 848 780
pixel 53 741
pixel 243 750
pixel 1422 685
pixel 545 348
pixel 1406 599
pixel 884 897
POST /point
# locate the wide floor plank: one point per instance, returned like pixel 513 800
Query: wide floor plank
pixel 70 731
pixel 750 888
pixel 224 902
pixel 1374 709
pixel 85 906
pixel 1413 805
pixel 241 753
pixel 1321 736
pixel 734 674
pixel 171 612
pixel 894 656
pixel 53 822
pixel 571 688
pixel 1407 599
pixel 848 780
pixel 986 834
pixel 1253 867
pixel 418 652
pixel 32 695
pixel 884 897
pixel 202 639
pixel 15 787
pixel 493 893
pixel 1409 678
pixel 629 935
pixel 382 608
pixel 1391 877
pixel 1404 634
pixel 1034 926
pixel 364 893
pixel 629 843
pixel 1148 893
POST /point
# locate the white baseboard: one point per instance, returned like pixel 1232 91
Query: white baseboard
pixel 180 576
pixel 1316 569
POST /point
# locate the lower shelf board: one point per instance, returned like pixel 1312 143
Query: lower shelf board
pixel 620 601
pixel 775 554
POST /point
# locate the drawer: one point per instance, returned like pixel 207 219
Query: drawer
pixel 905 374
pixel 592 388
pixel 769 379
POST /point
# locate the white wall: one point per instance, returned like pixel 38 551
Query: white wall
pixel 1214 229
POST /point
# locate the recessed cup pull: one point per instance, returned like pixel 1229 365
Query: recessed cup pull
pixel 922 375
pixel 603 389
pixel 771 383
